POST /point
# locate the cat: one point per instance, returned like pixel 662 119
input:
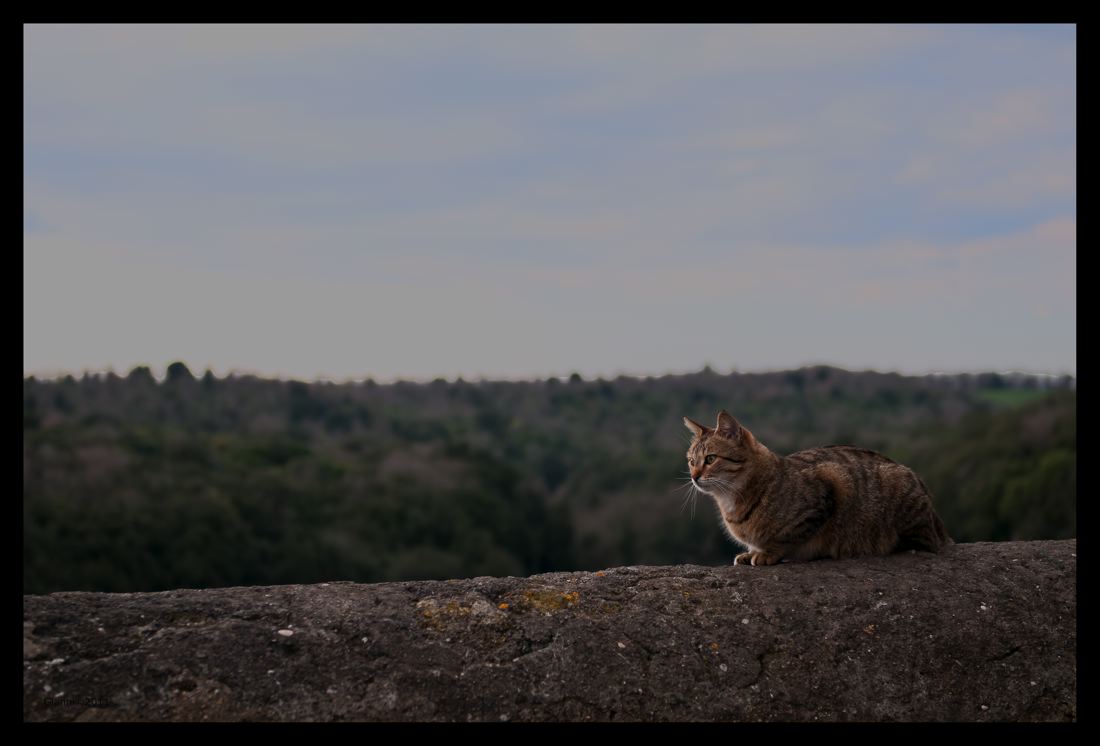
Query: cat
pixel 835 501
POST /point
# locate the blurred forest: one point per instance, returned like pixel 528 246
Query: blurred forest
pixel 130 484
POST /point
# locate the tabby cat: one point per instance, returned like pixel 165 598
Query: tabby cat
pixel 836 501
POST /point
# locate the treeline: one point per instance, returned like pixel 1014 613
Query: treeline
pixel 133 484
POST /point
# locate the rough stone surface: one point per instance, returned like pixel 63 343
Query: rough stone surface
pixel 981 632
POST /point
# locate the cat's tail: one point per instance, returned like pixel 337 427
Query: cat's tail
pixel 940 537
pixel 941 530
pixel 929 534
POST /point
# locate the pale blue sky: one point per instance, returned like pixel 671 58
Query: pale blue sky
pixel 517 201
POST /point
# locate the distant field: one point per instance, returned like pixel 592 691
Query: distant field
pixel 1011 397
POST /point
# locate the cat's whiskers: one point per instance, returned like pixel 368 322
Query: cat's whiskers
pixel 693 491
pixel 728 485
pixel 689 485
pixel 684 502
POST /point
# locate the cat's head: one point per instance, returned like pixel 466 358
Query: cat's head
pixel 720 458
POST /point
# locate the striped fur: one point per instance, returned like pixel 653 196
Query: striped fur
pixel 835 501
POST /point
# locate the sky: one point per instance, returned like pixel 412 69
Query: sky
pixel 523 201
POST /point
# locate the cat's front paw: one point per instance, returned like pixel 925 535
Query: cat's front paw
pixel 756 558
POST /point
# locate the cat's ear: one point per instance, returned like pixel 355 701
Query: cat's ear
pixel 728 427
pixel 694 427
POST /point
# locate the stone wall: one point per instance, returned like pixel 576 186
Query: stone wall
pixel 981 632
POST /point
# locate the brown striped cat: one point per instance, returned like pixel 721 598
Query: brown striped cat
pixel 836 501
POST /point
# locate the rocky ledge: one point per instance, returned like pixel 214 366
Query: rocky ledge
pixel 981 632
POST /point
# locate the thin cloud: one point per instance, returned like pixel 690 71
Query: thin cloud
pixel 210 192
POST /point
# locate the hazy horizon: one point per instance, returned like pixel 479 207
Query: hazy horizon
pixel 518 202
pixel 159 373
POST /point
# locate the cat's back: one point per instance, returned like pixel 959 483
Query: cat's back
pixel 877 504
pixel 850 457
pixel 858 475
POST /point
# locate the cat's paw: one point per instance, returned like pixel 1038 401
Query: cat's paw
pixel 756 558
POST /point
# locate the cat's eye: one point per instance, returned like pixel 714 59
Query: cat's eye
pixel 709 459
pixel 691 461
